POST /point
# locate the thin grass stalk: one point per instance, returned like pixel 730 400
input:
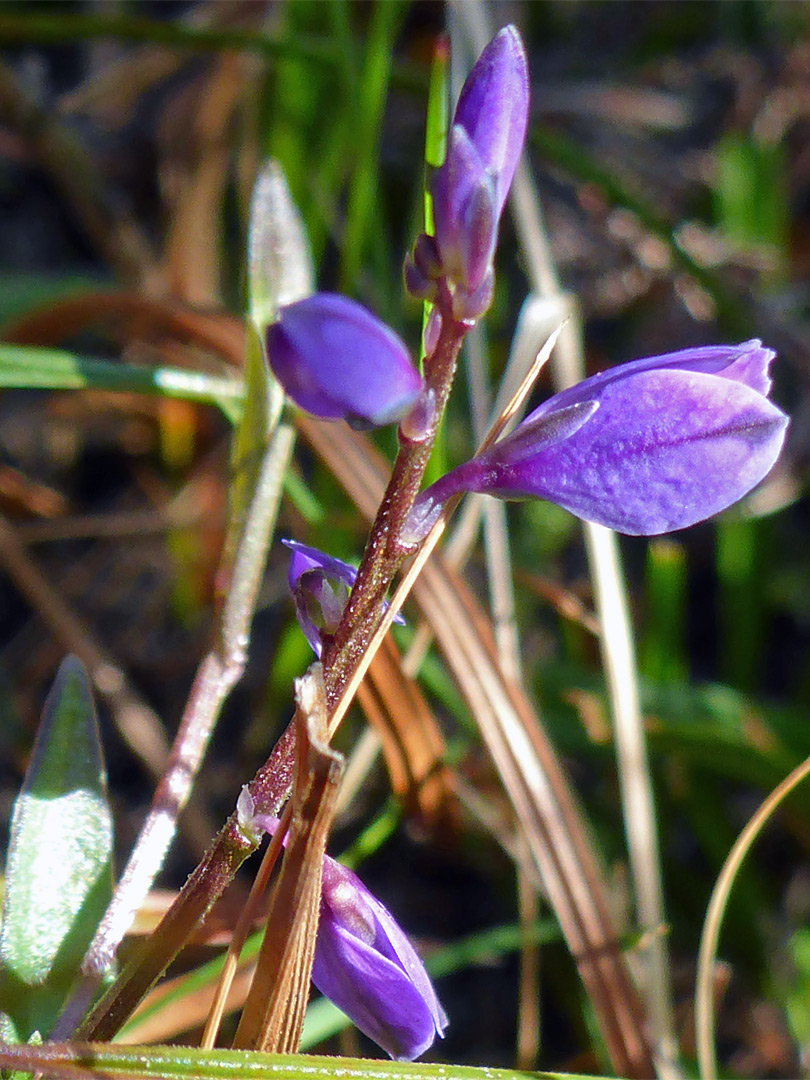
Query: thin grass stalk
pixel 710 935
pixel 242 929
pixel 502 611
pixel 529 983
pixel 273 1015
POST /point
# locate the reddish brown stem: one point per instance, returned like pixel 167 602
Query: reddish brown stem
pixel 384 552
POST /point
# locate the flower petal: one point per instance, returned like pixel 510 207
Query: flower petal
pixel 747 363
pixel 368 967
pixel 665 449
pixel 338 361
pixel 319 585
pixel 374 991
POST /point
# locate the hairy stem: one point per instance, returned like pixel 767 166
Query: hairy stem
pixel 384 552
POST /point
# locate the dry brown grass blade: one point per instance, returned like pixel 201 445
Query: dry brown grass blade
pixel 528 1026
pixel 128 317
pixel 214 932
pixel 163 1019
pixel 529 768
pixel 273 1017
pixel 411 741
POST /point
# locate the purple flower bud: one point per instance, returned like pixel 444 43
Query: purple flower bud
pixel 338 361
pixel 494 107
pixel 464 212
pixel 644 448
pixel 320 586
pixel 470 187
pixel 365 964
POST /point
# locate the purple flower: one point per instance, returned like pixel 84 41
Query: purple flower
pixel 470 187
pixel 338 361
pixel 320 586
pixel 363 961
pixel 644 448
pixel 365 964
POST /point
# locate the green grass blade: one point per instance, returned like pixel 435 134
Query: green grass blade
pixel 662 658
pixel 184 1061
pixel 30 368
pixel 362 212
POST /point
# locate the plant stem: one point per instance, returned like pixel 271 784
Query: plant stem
pixel 384 552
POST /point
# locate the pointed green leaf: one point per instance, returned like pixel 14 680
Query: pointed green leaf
pixel 279 263
pixel 59 869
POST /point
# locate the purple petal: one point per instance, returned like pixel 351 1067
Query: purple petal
pixel 391 937
pixel 319 585
pixel 494 107
pixel 305 558
pixel 548 428
pixel 665 449
pixel 338 361
pixel 747 363
pixel 374 992
pixel 368 967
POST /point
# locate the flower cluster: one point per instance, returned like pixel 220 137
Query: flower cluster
pixel 650 446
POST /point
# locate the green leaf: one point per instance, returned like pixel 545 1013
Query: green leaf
pixel 59 869
pixel 184 1061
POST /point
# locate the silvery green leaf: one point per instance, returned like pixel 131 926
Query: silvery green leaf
pixel 279 263
pixel 59 869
